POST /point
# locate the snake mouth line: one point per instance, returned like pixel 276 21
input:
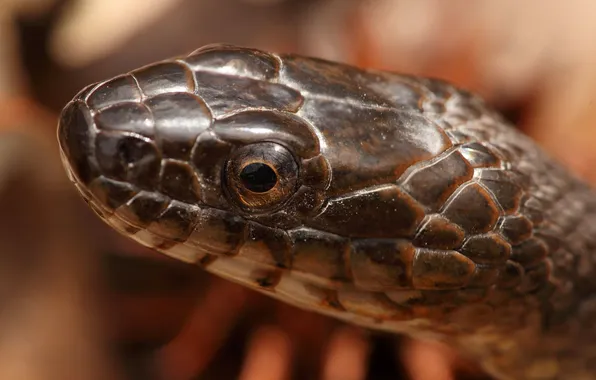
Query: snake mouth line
pixel 332 298
pixel 195 233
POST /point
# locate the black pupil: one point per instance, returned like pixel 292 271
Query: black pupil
pixel 258 177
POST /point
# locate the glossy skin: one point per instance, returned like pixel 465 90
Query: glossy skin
pixel 397 203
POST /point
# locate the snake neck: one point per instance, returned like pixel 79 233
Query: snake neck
pixel 527 340
pixel 550 332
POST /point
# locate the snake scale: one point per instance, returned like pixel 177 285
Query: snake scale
pixel 390 201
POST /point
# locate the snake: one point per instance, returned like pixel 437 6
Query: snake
pixel 402 204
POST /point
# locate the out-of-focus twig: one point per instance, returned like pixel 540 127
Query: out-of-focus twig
pixel 347 355
pixel 269 355
pixel 206 330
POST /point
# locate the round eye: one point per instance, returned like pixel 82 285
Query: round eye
pixel 261 176
pixel 258 177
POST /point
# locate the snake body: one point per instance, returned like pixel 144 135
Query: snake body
pixel 390 201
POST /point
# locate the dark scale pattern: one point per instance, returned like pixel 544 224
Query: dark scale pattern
pixel 126 117
pixel 164 78
pixel 487 249
pixel 77 142
pixel 479 156
pixel 382 212
pixel 256 126
pixel 227 59
pixel 321 257
pixel 433 184
pixel 269 245
pixel 515 228
pixel 484 277
pixel 229 96
pixel 507 193
pixel 382 264
pixel 178 180
pixel 179 119
pixel 441 269
pixel 218 231
pixel 111 193
pixel 175 222
pixel 128 157
pixel 206 158
pixel 473 208
pixel 118 91
pixel 406 204
pixel 530 252
pixel 438 232
pixel 143 208
pixel 511 275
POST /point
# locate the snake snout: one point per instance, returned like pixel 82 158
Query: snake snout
pixel 117 172
pixel 110 164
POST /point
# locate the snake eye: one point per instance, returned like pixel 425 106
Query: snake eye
pixel 261 176
pixel 258 177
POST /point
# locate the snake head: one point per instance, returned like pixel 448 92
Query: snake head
pixel 345 191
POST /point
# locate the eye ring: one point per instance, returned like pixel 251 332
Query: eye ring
pixel 261 176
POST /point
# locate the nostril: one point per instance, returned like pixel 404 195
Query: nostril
pixel 128 158
pixel 126 155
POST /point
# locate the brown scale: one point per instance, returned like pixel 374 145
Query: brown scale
pixel 363 159
pixel 479 156
pixel 438 232
pixel 270 246
pixel 434 269
pixel 111 193
pixel 515 228
pixel 373 305
pixel 316 172
pixel 260 65
pixel 206 159
pixel 166 77
pixel 484 277
pixel 490 249
pixel 530 252
pixel 126 117
pixel 507 193
pixel 326 257
pixel 218 231
pixel 143 208
pixel 433 184
pixel 258 126
pixel 126 157
pixel 225 94
pixel 378 264
pixel 175 222
pixel 189 116
pixel 179 181
pixel 376 214
pixel 473 208
pixel 117 91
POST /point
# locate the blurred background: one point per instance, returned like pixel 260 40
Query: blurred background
pixel 77 301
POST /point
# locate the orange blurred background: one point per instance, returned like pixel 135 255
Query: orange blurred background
pixel 80 302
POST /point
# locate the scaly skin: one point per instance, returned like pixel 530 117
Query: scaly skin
pixel 394 202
